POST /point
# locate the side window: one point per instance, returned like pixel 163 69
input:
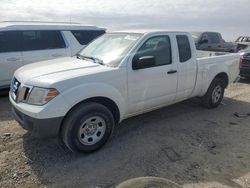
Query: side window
pixel 184 48
pixel 42 40
pixel 214 38
pixel 159 47
pixel 85 37
pixel 10 41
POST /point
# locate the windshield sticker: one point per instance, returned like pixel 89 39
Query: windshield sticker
pixel 131 37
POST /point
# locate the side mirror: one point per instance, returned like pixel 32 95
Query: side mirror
pixel 143 62
pixel 204 41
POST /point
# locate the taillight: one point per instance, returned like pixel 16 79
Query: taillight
pixel 241 62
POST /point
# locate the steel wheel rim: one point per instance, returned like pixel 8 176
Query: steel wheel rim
pixel 92 130
pixel 216 95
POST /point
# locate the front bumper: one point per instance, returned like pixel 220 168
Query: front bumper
pixel 42 128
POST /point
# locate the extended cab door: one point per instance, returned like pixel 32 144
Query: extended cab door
pixel 187 67
pixel 153 84
pixel 42 45
pixel 10 56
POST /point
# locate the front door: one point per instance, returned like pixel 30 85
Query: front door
pixel 153 86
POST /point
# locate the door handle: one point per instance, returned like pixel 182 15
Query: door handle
pixel 172 71
pixel 13 59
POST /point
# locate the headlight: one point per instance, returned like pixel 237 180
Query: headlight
pixel 40 96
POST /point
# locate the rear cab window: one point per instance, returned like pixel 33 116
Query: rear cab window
pixel 184 48
pixel 86 36
pixel 214 38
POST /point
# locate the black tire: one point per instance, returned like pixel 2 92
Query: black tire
pixel 207 99
pixel 74 122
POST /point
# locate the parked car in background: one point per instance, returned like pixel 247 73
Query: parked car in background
pixel 245 65
pixel 243 39
pixel 22 43
pixel 119 75
pixel 212 41
pixel 243 43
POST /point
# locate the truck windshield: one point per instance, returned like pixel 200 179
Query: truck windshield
pixel 110 48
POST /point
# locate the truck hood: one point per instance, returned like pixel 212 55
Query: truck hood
pixel 57 69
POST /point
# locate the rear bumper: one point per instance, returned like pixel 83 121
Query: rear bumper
pixel 42 128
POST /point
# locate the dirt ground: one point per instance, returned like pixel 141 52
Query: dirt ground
pixel 184 143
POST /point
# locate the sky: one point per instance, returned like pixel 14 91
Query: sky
pixel 230 17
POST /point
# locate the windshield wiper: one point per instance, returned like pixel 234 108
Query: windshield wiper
pixel 95 60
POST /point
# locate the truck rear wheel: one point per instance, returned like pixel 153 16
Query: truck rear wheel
pixel 214 94
pixel 87 127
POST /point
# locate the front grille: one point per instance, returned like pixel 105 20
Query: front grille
pixel 19 92
pixel 22 94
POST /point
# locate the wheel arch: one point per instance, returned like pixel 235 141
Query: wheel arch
pixel 223 76
pixel 107 102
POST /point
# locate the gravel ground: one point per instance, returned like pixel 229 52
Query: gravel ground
pixel 184 143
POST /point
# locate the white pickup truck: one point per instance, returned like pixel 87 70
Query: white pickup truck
pixel 122 74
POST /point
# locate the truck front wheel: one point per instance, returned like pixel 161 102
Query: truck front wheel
pixel 214 94
pixel 87 127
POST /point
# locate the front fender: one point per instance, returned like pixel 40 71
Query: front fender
pixel 83 92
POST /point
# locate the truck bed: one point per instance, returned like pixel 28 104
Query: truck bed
pixel 212 64
pixel 201 54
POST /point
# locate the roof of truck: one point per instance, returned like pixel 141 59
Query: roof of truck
pixel 35 25
pixel 145 31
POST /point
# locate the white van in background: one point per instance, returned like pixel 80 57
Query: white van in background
pixel 23 43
